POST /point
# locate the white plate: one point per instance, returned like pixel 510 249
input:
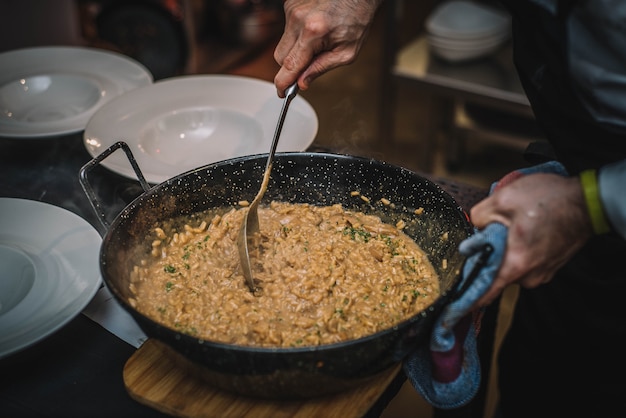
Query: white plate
pixel 182 123
pixel 52 91
pixel 50 270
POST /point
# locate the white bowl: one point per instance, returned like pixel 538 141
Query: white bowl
pixel 456 54
pixel 181 123
pixel 50 91
pixel 467 19
pixel 505 34
pixel 467 44
pixel 46 98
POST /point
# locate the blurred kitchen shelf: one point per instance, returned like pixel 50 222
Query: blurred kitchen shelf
pixel 476 122
pixel 488 83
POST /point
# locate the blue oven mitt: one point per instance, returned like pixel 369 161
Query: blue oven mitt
pixel 447 372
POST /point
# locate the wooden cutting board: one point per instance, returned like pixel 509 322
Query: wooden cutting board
pixel 154 378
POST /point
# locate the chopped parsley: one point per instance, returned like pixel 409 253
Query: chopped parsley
pixel 357 233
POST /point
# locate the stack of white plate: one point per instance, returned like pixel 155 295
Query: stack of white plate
pixel 459 30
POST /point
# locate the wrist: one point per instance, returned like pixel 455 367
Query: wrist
pixel 589 184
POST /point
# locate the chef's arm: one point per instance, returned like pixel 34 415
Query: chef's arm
pixel 611 185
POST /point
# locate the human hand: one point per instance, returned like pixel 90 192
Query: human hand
pixel 320 35
pixel 547 223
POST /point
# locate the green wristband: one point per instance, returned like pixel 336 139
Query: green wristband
pixel 589 183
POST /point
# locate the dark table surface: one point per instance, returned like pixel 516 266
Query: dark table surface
pixel 77 371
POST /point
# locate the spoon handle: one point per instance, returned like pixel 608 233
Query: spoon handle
pixel 251 218
pixel 290 93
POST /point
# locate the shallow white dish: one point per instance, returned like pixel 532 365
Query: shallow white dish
pixel 181 123
pixel 467 19
pixel 50 270
pixel 52 91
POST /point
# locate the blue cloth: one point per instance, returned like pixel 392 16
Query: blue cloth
pixel 447 371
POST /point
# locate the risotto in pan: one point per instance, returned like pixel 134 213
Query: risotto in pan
pixel 325 275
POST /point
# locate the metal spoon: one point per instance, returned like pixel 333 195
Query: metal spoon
pixel 250 225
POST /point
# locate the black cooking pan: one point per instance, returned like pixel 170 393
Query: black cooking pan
pixel 316 178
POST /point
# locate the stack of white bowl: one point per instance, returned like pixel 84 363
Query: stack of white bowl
pixel 461 30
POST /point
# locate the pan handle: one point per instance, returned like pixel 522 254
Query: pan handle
pixel 93 199
pixel 486 252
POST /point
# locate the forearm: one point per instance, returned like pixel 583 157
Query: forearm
pixel 612 189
